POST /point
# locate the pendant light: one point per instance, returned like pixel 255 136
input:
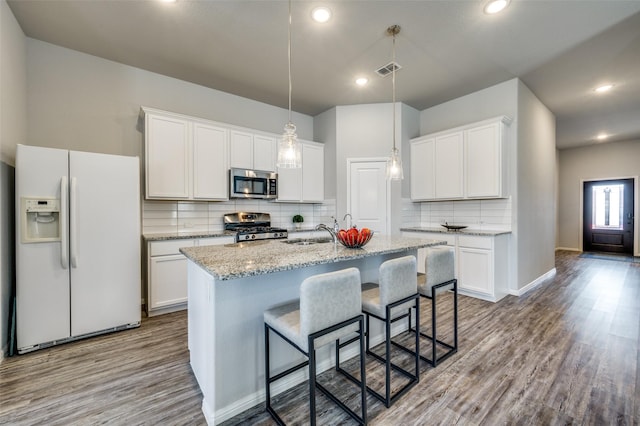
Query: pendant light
pixel 289 155
pixel 394 164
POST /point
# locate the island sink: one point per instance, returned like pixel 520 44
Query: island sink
pixel 307 241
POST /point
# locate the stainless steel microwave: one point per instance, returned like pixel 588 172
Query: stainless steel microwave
pixel 244 183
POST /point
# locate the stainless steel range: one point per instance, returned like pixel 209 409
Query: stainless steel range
pixel 252 226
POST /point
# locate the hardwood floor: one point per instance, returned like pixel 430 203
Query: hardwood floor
pixel 135 377
pixel 565 353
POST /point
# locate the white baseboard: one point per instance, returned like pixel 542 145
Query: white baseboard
pixel 568 248
pixel 533 284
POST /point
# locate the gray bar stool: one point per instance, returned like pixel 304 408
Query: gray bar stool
pixel 389 301
pixel 439 277
pixel 329 308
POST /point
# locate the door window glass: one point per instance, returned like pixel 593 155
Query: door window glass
pixel 607 206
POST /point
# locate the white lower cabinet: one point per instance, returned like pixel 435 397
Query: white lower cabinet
pixel 481 263
pixel 167 273
pixel 168 277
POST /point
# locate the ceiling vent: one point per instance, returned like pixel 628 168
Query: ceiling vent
pixel 388 69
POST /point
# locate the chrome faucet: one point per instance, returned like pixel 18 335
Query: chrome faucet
pixel 328 229
pixel 350 219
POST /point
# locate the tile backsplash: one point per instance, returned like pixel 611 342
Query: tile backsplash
pixel 476 214
pixel 190 216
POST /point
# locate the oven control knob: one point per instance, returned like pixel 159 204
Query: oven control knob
pixel 253 236
pixel 246 237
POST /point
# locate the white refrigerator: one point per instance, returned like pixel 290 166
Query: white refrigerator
pixel 77 245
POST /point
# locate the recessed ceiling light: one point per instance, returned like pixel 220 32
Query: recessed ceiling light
pixel 603 88
pixel 168 1
pixel 361 81
pixel 602 136
pixel 495 6
pixel 321 14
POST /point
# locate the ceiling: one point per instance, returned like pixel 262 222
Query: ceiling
pixel 561 49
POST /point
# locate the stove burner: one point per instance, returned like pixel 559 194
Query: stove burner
pixel 252 226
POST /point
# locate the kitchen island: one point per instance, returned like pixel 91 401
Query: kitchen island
pixel 230 286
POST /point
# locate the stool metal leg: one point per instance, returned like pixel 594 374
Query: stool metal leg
pixel 312 382
pixel 363 380
pixel 434 357
pixel 311 364
pixel 451 348
pixel 267 368
pixel 387 398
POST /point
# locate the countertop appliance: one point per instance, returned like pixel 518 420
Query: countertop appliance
pixel 245 183
pixel 252 226
pixel 77 245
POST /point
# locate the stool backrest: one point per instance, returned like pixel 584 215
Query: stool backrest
pixel 439 265
pixel 328 299
pixel 398 279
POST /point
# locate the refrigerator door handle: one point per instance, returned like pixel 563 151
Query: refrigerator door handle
pixel 73 220
pixel 64 241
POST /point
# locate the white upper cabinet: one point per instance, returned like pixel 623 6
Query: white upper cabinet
pixel 485 165
pixel 305 184
pixel 185 159
pixel 167 164
pixel 423 169
pixel 461 163
pixel 252 151
pixel 209 162
pixel 188 158
pixel 241 149
pixel 289 185
pixel 264 152
pixel 449 164
pixel 312 172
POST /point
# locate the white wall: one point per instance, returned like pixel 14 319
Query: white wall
pixel 602 161
pixel 500 99
pixel 324 129
pixel 82 102
pixel 13 129
pixel 361 131
pixel 410 128
pixel 536 188
pixel 366 131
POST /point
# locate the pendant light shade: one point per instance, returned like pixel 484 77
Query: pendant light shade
pixel 289 155
pixel 394 164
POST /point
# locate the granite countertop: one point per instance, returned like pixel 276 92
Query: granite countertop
pixel 185 235
pixel 238 260
pixel 442 230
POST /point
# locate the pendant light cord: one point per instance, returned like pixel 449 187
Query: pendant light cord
pixel 393 84
pixel 289 59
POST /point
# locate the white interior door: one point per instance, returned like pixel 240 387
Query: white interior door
pixel 368 197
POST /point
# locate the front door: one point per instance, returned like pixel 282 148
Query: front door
pixel 608 216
